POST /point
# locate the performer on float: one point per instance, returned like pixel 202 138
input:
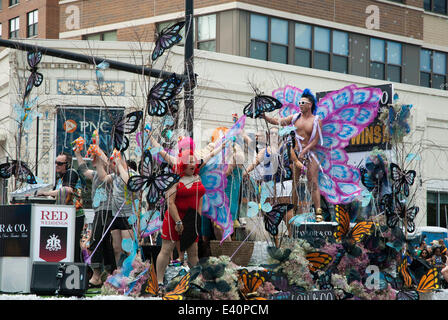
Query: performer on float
pixel 308 134
pixel 184 204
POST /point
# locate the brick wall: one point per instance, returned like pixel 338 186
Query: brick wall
pixel 48 26
pixel 393 19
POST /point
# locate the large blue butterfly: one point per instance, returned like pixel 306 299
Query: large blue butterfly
pixel 36 78
pixel 167 38
pixel 156 183
pixel 261 104
pixel 17 167
pixel 128 124
pixel 162 94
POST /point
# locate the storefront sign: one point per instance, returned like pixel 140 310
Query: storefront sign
pixel 15 228
pixel 313 230
pixel 55 227
pixel 74 122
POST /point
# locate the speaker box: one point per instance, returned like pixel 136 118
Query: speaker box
pixel 51 278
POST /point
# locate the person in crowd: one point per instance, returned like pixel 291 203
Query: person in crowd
pixel 438 260
pixel 67 191
pixel 123 201
pixel 100 241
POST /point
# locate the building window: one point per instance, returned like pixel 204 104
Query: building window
pixel 436 6
pixel 433 69
pixel 104 36
pixel 269 38
pixel 385 60
pixel 13 2
pixel 436 209
pixel 303 45
pixel 204 35
pixel 14 28
pixel 206 32
pixel 321 48
pixel 32 18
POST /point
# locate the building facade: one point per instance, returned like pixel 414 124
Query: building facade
pixel 323 45
pixel 29 19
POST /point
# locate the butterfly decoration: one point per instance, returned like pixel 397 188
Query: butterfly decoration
pixel 265 191
pixel 18 168
pixel 167 38
pixel 36 78
pixel 398 119
pixel 343 232
pixel 397 211
pixel 261 104
pixel 156 183
pixel 318 260
pixel 249 283
pixel 401 180
pixel 101 66
pixel 428 282
pixel 25 114
pixel 161 95
pixel 300 219
pixel 127 124
pixel 151 286
pixel 404 273
pixel 273 218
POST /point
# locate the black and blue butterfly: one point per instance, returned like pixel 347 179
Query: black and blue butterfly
pixel 273 218
pixel 148 179
pixel 396 211
pixel 161 96
pixel 261 104
pixel 18 169
pixel 36 78
pixel 127 124
pixel 401 180
pixel 167 38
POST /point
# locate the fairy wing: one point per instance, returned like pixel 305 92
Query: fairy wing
pixel 343 114
pixel 215 201
pixel 289 96
pixel 167 38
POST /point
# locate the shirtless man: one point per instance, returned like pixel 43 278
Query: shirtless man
pixel 308 135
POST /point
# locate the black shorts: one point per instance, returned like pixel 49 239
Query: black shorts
pixel 121 223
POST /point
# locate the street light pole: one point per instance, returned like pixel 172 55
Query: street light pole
pixel 190 79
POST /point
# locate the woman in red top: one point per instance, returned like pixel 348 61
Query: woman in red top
pixel 184 198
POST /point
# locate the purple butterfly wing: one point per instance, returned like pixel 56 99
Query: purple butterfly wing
pixel 168 37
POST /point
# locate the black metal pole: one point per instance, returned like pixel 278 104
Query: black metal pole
pixel 142 70
pixel 189 72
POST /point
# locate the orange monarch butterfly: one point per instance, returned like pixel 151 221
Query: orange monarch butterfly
pixel 428 282
pixel 318 260
pixel 152 287
pixel 342 230
pixel 250 282
pixel 403 269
